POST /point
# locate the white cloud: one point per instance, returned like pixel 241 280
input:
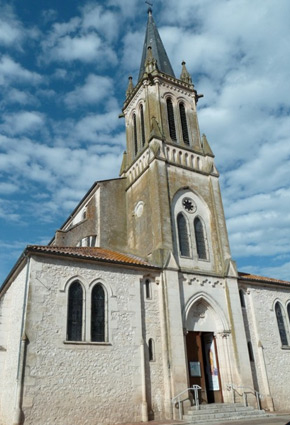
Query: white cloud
pixel 22 122
pixel 96 88
pixel 11 71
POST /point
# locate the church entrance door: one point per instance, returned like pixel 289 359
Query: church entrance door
pixel 203 366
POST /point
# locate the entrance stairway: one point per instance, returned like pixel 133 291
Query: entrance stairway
pixel 221 412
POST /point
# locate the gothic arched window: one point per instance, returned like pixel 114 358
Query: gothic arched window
pixel 200 239
pixel 183 235
pixel 135 134
pixel 75 312
pixel 183 123
pixel 98 314
pixel 171 122
pixel 142 125
pixel 281 324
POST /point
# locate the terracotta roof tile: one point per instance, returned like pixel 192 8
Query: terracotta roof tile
pixel 94 253
pixel 248 276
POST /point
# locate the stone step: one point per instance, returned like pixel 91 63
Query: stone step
pixel 215 421
pixel 192 410
pixel 223 415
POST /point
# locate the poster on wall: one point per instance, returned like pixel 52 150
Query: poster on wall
pixel 211 364
pixel 194 369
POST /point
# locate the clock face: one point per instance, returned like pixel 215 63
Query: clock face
pixel 189 205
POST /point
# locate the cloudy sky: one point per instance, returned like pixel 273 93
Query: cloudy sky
pixel 64 67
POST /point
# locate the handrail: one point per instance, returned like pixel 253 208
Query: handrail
pixel 258 395
pixel 195 388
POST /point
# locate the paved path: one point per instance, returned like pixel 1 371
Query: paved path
pixel 277 419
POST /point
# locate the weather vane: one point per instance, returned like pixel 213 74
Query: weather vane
pixel 150 5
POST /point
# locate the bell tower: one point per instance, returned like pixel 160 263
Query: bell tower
pixel 173 196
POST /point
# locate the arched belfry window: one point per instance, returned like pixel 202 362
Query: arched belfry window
pixel 75 312
pixel 183 235
pixel 183 121
pixel 142 124
pixel 171 122
pixel 200 239
pixel 281 324
pixel 135 134
pixel 98 314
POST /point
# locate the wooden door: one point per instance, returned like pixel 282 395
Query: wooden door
pixel 195 363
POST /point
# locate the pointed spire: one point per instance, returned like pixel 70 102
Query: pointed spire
pixel 152 38
pixel 130 87
pixel 206 148
pixel 185 76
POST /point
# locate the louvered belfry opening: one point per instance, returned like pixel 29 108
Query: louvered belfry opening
pixel 98 314
pixel 184 123
pixel 281 324
pixel 183 235
pixel 135 134
pixel 75 312
pixel 200 239
pixel 171 122
pixel 142 125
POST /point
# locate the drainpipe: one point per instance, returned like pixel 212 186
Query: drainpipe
pixel 18 414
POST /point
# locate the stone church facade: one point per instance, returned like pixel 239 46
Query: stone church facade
pixel 137 298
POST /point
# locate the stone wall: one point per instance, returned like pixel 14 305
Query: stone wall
pixel 271 368
pixel 11 304
pixel 82 383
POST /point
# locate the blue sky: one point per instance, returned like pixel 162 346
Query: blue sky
pixel 64 68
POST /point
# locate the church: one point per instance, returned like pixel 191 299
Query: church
pixel 136 298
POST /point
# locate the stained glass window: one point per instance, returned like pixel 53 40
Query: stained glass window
pixel 183 123
pixel 171 122
pixel 75 312
pixel 199 238
pixel 98 314
pixel 183 235
pixel 281 324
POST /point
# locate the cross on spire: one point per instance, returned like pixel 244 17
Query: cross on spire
pixel 150 6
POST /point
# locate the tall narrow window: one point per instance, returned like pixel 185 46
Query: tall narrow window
pixel 242 298
pixel 75 312
pixel 281 324
pixel 98 314
pixel 135 134
pixel 147 289
pixel 288 310
pixel 171 122
pixel 183 235
pixel 142 125
pixel 250 350
pixel 183 123
pixel 199 239
pixel 151 350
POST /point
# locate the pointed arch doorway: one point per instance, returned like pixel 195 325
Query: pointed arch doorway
pixel 202 354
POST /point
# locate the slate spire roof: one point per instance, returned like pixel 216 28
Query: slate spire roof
pixel 152 38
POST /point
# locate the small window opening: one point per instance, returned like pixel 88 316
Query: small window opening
pixel 184 123
pixel 142 125
pixel 84 214
pixel 242 298
pixel 171 122
pixel 151 350
pixel 250 349
pixel 147 289
pixel 135 134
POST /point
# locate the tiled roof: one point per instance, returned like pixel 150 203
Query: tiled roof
pixel 93 253
pixel 256 278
